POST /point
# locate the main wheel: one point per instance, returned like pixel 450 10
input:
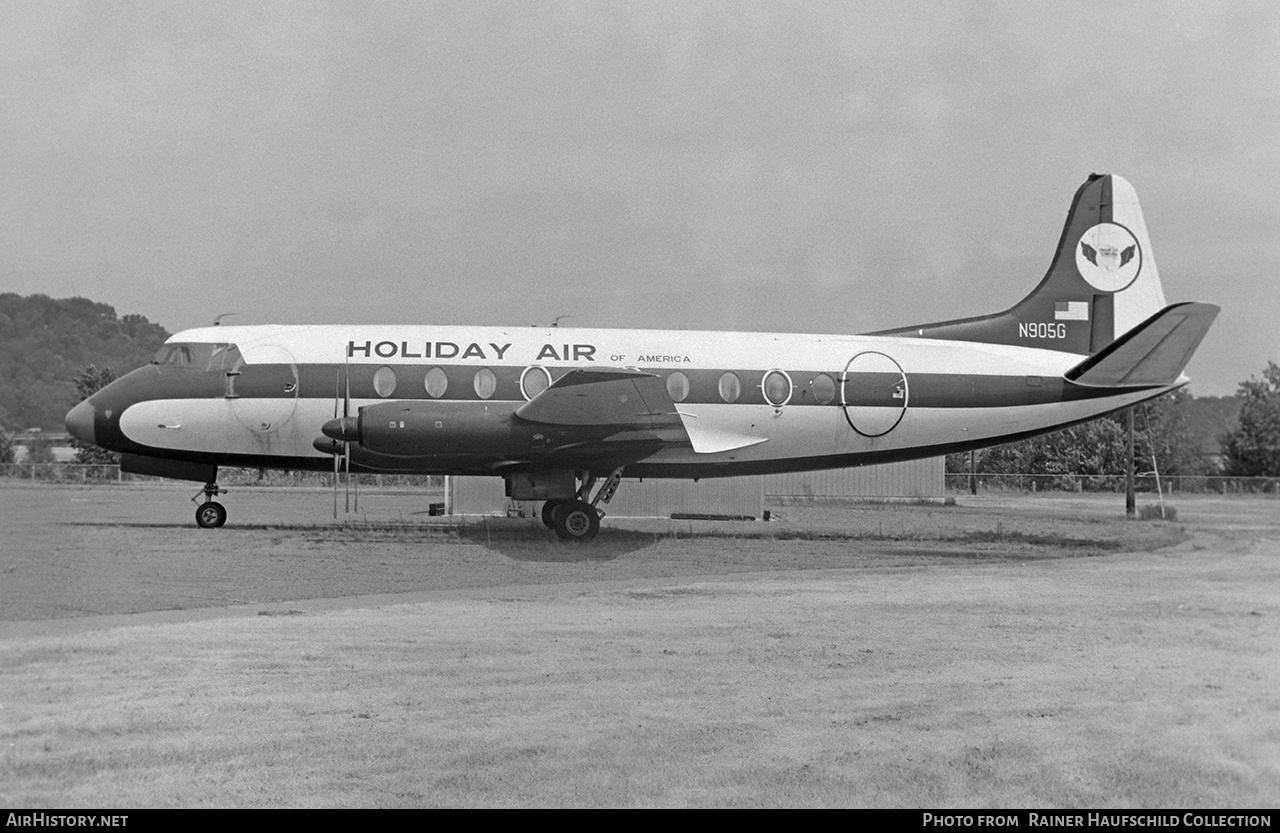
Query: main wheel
pixel 576 521
pixel 211 515
pixel 549 513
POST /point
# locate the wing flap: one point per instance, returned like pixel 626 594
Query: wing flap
pixel 1153 353
pixel 708 439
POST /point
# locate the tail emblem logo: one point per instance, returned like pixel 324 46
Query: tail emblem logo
pixel 1108 257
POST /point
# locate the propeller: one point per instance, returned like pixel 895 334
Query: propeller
pixel 336 382
pixel 344 430
pixel 346 446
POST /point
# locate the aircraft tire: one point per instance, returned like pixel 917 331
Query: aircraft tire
pixel 576 522
pixel 211 515
pixel 549 513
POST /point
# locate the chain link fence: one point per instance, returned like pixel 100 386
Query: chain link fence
pixel 961 482
pixel 110 473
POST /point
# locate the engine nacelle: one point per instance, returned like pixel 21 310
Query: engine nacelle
pixel 415 429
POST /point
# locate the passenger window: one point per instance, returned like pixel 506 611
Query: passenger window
pixel 824 389
pixel 534 381
pixel 437 382
pixel 776 387
pixel 485 383
pixel 730 387
pixel 678 386
pixel 384 382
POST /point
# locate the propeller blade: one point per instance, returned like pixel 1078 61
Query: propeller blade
pixel 336 389
pixel 346 446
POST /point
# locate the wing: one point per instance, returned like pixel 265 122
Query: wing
pixel 1089 252
pixel 1127 255
pixel 606 397
pixel 635 404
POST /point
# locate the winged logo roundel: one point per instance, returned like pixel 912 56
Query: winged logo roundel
pixel 1108 257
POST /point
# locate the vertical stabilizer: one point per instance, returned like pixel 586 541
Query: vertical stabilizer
pixel 1102 282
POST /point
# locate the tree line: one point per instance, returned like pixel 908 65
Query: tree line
pixel 1175 434
pixel 45 343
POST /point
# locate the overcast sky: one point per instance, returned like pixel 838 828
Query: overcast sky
pixel 811 167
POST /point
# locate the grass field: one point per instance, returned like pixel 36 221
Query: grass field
pixel 1021 651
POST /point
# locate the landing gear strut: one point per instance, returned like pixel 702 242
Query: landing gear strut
pixel 578 521
pixel 210 514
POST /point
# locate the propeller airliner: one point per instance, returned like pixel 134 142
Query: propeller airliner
pixel 562 413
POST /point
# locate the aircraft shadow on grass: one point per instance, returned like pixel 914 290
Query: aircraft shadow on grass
pixel 518 540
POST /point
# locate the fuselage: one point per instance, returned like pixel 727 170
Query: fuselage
pixel 751 402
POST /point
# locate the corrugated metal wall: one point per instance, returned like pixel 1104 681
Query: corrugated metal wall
pixel 915 478
pixel 738 497
pixel 730 496
pixel 475 496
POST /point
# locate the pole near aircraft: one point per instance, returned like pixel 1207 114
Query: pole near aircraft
pixel 561 414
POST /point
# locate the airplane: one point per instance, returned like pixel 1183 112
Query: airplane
pixel 562 413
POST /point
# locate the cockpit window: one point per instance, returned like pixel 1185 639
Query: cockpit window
pixel 197 356
pixel 177 354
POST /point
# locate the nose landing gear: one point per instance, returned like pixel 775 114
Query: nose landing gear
pixel 210 514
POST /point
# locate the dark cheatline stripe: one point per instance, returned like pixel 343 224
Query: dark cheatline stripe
pixel 924 390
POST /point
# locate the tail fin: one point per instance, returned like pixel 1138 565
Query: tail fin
pixel 1102 283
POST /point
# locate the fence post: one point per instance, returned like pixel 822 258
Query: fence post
pixel 1130 502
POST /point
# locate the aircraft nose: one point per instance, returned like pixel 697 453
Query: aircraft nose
pixel 79 422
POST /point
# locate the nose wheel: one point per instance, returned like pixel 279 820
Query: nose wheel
pixel 210 514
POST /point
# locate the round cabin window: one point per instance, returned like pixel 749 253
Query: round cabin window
pixel 384 382
pixel 437 382
pixel 824 389
pixel 485 383
pixel 678 386
pixel 776 387
pixel 534 381
pixel 730 387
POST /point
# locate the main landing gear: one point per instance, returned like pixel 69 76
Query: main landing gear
pixel 578 521
pixel 210 514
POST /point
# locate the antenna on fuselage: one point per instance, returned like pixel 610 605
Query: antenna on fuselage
pixel 555 322
pixel 218 320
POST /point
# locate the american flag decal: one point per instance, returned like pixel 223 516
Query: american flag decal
pixel 1071 310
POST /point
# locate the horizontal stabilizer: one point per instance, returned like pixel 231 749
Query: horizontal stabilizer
pixel 603 398
pixel 1152 353
pixel 711 440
